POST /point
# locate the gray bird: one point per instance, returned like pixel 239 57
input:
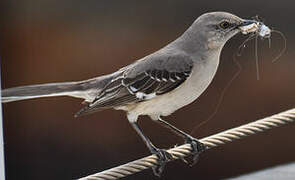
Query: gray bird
pixel 155 85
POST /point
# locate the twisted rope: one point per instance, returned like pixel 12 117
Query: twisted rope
pixel 185 150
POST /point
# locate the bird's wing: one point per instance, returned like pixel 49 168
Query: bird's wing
pixel 150 77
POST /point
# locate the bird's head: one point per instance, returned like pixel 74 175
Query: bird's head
pixel 218 27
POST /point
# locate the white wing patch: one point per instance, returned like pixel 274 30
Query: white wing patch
pixel 143 96
pixel 133 89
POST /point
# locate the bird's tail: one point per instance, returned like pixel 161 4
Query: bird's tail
pixel 40 90
pixel 80 89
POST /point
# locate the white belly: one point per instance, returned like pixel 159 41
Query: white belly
pixel 189 91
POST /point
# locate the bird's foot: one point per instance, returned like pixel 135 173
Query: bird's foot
pixel 197 149
pixel 164 157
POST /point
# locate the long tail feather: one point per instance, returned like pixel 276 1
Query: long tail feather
pixel 41 90
pixel 87 90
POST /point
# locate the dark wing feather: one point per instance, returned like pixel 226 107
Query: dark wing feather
pixel 146 77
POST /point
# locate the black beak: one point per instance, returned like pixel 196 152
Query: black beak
pixel 247 22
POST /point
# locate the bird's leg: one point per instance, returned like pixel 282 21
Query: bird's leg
pixel 162 154
pixel 197 146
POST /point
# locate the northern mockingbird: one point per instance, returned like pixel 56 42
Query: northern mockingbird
pixel 155 85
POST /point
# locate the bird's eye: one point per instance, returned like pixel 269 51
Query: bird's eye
pixel 224 24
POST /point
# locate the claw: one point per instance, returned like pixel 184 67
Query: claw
pixel 197 149
pixel 164 157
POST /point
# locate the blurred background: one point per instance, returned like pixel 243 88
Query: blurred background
pixel 44 41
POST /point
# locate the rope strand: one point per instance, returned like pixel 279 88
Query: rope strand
pixel 185 150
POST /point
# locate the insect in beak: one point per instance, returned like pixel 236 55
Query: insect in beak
pixel 252 26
